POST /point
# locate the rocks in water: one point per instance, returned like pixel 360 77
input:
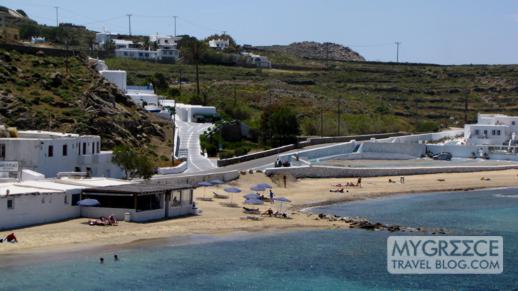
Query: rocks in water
pixel 363 223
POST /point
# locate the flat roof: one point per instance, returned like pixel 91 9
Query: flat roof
pixel 93 182
pixel 137 188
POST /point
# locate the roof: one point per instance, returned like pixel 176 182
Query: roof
pixel 93 182
pixel 140 188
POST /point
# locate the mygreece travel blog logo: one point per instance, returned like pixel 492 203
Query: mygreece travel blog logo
pixel 445 254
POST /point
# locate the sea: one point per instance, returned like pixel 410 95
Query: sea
pixel 334 259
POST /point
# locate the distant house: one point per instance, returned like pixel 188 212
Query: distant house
pixel 257 60
pixel 492 129
pixel 219 43
pixel 38 39
pixel 166 49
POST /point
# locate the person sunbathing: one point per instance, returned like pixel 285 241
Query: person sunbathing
pixel 11 238
pixel 112 220
pixel 341 190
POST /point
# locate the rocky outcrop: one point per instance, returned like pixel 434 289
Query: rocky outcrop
pixel 316 50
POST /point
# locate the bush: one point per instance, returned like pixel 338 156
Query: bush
pixel 426 126
pixel 241 151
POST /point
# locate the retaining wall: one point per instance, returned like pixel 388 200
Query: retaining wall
pixel 195 178
pixel 173 170
pixel 339 172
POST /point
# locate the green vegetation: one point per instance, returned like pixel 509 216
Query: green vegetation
pixel 134 163
pixel 374 97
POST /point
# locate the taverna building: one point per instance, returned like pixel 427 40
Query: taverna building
pixel 50 153
pixel 42 201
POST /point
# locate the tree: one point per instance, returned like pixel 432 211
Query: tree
pixel 192 51
pixel 279 126
pixel 134 163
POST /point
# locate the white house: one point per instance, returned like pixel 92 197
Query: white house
pixel 257 60
pixel 492 129
pixel 194 113
pixel 101 38
pixel 143 95
pixel 219 43
pixel 50 153
pixel 122 43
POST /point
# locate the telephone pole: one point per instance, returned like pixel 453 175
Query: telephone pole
pixel 398 43
pixel 321 117
pixel 57 15
pixel 339 114
pixel 129 22
pixel 174 17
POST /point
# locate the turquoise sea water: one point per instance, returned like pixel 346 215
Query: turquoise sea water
pixel 303 260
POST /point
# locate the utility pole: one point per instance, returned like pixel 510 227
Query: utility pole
pixel 129 22
pixel 339 114
pixel 398 43
pixel 174 17
pixel 321 117
pixel 57 15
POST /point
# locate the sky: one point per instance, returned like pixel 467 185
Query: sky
pixel 430 31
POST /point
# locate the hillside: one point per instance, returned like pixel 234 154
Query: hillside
pixel 376 97
pixel 66 94
pixel 315 50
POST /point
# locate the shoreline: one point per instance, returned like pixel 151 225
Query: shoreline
pixel 218 222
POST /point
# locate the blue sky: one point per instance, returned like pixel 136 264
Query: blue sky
pixel 438 31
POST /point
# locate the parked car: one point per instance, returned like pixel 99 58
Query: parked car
pixel 444 156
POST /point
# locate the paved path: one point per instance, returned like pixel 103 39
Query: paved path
pixel 190 140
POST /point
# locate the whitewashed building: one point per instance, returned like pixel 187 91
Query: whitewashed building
pixel 166 49
pixel 117 77
pixel 28 203
pixel 492 129
pixel 50 153
pixel 195 113
pixel 219 43
pixel 257 60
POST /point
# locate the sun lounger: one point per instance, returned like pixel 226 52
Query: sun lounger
pixel 204 198
pixel 220 196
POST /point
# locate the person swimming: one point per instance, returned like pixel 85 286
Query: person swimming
pixel 115 257
pixel 101 260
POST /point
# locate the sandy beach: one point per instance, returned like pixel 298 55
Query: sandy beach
pixel 217 219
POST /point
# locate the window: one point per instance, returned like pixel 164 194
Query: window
pixel 98 147
pixel 84 148
pixel 75 199
pixel 93 149
pixel 498 132
pixel 10 203
pixel 477 132
pixel 493 132
pixel 513 122
pixel 485 131
pixel 79 148
pixel 186 197
pixel 51 151
pixel 65 150
pixel 176 198
pixel 2 151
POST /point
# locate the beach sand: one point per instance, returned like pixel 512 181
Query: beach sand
pixel 217 219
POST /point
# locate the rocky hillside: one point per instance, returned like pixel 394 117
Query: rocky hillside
pixel 316 50
pixel 68 95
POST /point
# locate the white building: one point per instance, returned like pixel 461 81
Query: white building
pixel 492 129
pixel 219 43
pixel 50 153
pixel 122 43
pixel 143 95
pixel 166 49
pixel 29 203
pixel 101 38
pixel 195 113
pixel 117 77
pixel 257 60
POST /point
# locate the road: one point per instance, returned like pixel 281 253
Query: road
pixel 190 140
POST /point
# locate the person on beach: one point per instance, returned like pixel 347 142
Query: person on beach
pixel 271 196
pixel 101 260
pixel 359 183
pixel 115 257
pixel 402 180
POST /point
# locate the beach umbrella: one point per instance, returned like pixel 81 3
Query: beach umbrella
pixel 265 185
pixel 257 188
pixel 282 200
pixel 251 196
pixel 88 202
pixel 232 190
pixel 216 182
pixel 254 201
pixel 204 184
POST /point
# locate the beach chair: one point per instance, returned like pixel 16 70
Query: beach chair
pixel 219 196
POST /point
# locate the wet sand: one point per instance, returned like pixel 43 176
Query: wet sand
pixel 217 220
